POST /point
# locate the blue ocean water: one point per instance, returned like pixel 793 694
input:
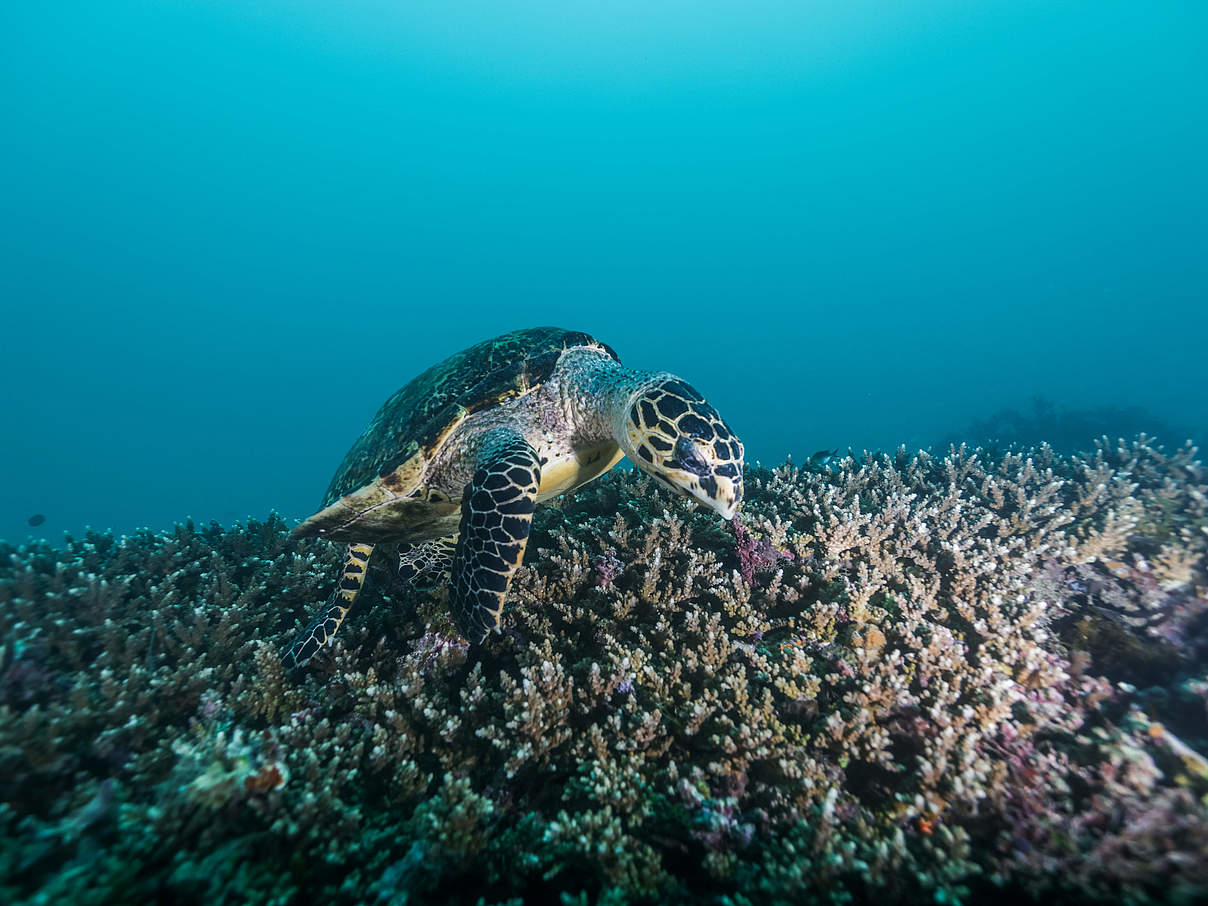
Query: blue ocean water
pixel 231 229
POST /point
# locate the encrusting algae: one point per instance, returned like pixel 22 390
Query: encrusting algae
pixel 898 678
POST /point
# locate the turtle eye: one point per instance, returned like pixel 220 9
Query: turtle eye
pixel 688 459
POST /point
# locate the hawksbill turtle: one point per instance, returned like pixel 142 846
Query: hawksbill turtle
pixel 452 465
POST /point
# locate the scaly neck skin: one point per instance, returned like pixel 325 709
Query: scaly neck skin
pixel 595 391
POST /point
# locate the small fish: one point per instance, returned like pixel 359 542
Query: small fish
pixel 820 460
pixel 36 519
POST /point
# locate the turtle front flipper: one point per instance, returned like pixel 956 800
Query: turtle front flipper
pixel 496 515
pixel 322 629
pixel 427 564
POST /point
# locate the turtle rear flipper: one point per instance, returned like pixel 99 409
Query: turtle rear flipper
pixel 428 564
pixel 322 629
pixel 496 515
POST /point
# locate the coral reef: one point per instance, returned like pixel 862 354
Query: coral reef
pixel 1067 429
pixel 901 678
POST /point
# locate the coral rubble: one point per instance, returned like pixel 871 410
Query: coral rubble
pixel 902 678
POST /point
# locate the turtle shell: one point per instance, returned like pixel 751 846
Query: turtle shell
pixel 417 419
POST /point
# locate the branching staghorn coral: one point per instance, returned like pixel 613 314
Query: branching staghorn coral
pixel 905 677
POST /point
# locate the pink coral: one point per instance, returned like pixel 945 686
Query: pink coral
pixel 606 568
pixel 755 555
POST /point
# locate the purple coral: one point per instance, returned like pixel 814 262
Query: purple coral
pixel 755 555
pixel 25 681
pixel 606 568
pixel 434 651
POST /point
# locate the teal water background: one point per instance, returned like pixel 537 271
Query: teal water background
pixel 231 229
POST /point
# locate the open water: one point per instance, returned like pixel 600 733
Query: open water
pixel 232 228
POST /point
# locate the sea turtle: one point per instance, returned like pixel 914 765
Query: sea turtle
pixel 452 465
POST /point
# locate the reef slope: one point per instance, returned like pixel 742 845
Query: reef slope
pixel 906 678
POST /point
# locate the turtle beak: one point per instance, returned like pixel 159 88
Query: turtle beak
pixel 727 507
pixel 690 474
pixel 728 498
pixel 716 492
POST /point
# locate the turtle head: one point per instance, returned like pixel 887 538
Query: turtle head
pixel 678 439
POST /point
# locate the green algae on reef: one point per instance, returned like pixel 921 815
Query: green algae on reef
pixel 926 691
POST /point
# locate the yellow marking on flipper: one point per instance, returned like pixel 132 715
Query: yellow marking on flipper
pixel 356 561
pixel 377 509
pixel 322 628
